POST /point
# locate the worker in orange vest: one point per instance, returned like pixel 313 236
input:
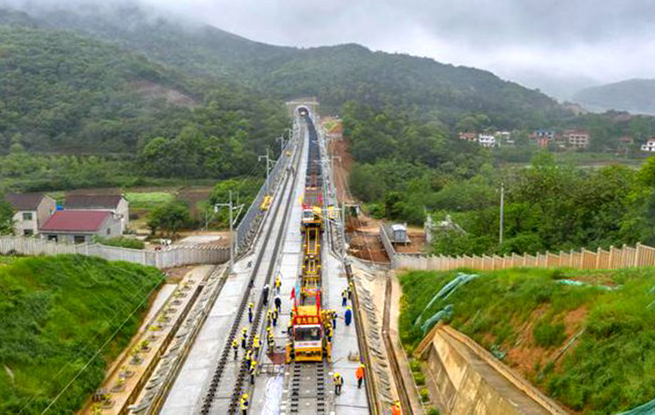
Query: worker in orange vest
pixel 359 374
pixel 395 409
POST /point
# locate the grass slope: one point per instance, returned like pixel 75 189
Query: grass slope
pixel 55 313
pixel 530 316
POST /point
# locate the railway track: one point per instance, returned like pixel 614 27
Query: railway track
pixel 259 309
pixel 208 400
pixel 307 390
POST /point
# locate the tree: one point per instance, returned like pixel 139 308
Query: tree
pixel 169 217
pixel 6 217
pixel 647 172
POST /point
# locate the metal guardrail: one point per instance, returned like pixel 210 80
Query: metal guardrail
pixel 247 227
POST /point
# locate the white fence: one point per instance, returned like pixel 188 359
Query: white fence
pixel 626 256
pixel 173 256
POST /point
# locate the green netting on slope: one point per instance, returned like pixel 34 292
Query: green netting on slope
pixel 645 409
pixel 446 312
pixel 446 291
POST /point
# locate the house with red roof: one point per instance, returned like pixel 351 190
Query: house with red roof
pixel 31 210
pixel 116 204
pixel 80 226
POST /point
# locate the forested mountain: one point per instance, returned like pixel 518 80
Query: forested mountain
pixel 63 91
pixel 634 95
pixel 67 93
pixel 335 74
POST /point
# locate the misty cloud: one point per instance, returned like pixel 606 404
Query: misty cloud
pixel 581 42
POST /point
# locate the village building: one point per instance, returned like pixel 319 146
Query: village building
pixel 542 137
pixel 116 204
pixel 31 211
pixel 80 226
pixel 468 136
pixel 577 138
pixel 487 140
pixel 649 145
pixel 504 138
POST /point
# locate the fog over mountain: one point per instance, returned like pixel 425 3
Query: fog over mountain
pixel 557 46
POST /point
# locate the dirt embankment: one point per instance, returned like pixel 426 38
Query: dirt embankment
pixel 152 91
pixel 529 358
pixel 363 231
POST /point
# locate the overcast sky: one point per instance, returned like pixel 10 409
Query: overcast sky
pixel 581 41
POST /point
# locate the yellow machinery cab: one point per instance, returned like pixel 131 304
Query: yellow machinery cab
pixel 307 340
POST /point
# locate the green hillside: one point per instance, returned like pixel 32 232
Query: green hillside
pixel 67 92
pixel 527 316
pixel 55 314
pixel 336 74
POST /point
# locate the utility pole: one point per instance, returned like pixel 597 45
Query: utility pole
pixel 281 140
pixel 268 161
pixel 502 205
pixel 231 207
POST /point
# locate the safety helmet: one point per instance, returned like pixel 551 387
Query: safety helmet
pixel 245 395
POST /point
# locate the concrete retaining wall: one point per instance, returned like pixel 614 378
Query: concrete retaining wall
pixel 174 256
pixel 469 380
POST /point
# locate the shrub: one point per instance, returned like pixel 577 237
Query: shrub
pixel 122 242
pixel 549 335
pixel 415 365
pixel 425 395
pixel 419 378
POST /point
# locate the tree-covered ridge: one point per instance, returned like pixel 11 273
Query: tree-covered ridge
pixel 55 314
pixel 406 167
pixel 335 74
pixel 440 92
pixel 66 93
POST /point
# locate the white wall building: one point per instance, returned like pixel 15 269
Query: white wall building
pixel 487 140
pixel 649 146
pixel 116 204
pixel 32 211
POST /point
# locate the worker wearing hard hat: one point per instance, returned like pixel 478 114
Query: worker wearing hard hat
pixel 338 382
pixel 359 374
pixel 244 404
